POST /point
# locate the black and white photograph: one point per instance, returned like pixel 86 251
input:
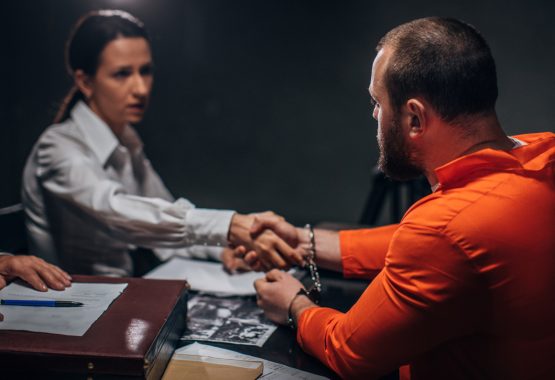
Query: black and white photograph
pixel 235 320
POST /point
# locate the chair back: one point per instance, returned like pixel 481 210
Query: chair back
pixel 399 196
pixel 13 235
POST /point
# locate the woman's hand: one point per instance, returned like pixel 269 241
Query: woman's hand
pixel 37 272
pixel 232 259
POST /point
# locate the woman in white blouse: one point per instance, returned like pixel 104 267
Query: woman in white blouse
pixel 89 192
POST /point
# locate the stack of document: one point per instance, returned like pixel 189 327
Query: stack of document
pixel 210 362
pixel 200 367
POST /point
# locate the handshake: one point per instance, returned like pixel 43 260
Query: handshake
pixel 264 241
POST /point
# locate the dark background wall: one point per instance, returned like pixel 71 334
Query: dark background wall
pixel 263 104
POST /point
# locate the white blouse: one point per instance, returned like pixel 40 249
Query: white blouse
pixel 89 198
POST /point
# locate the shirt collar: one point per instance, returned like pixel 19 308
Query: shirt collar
pixel 528 155
pixel 100 137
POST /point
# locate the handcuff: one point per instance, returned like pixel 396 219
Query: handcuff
pixel 313 294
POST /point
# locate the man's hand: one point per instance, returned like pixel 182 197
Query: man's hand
pixel 37 272
pixel 275 293
pixel 273 250
pixel 260 231
pixel 276 223
pixel 232 259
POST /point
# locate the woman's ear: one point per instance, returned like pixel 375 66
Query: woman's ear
pixel 83 83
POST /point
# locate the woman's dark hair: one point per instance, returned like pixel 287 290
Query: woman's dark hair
pixel 88 38
pixel 446 61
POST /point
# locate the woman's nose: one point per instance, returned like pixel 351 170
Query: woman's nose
pixel 141 85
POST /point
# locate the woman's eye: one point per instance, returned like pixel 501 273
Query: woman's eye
pixel 121 74
pixel 147 70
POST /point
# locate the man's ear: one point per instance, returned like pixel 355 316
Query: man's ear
pixel 83 83
pixel 417 118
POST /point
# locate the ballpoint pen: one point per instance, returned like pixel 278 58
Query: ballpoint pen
pixel 44 303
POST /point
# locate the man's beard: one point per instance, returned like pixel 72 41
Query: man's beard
pixel 395 154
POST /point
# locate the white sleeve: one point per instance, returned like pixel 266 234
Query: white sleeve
pixel 79 182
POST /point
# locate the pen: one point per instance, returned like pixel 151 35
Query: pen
pixel 45 303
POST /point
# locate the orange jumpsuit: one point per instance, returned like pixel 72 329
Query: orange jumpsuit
pixel 465 285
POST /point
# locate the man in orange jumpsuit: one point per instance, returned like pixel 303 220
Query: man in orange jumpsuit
pixel 465 284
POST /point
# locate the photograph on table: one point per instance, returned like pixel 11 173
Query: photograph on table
pixel 236 320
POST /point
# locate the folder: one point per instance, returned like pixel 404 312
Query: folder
pixel 208 368
pixel 134 339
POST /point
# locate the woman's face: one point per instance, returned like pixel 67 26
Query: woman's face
pixel 120 89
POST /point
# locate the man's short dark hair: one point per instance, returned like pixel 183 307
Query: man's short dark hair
pixel 443 60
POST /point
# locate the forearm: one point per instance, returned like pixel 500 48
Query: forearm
pixel 364 342
pixel 298 305
pixel 78 184
pixel 155 223
pixel 365 248
pixel 239 230
pixel 363 251
pixel 328 253
pixel 427 294
pixel 143 221
pixel 346 342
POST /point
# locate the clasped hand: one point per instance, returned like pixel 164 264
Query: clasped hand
pixel 265 241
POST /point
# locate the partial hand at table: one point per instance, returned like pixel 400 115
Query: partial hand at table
pixel 37 272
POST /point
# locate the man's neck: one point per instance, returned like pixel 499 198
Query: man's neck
pixel 454 141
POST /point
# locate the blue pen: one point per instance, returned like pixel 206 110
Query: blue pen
pixel 44 303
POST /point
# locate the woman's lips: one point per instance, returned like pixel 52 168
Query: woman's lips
pixel 139 107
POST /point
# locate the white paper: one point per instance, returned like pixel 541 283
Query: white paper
pixel 206 276
pixel 58 320
pixel 272 370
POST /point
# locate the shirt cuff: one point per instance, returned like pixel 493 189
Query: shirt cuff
pixel 209 227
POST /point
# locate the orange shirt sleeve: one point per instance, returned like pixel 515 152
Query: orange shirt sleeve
pixel 424 296
pixel 363 251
